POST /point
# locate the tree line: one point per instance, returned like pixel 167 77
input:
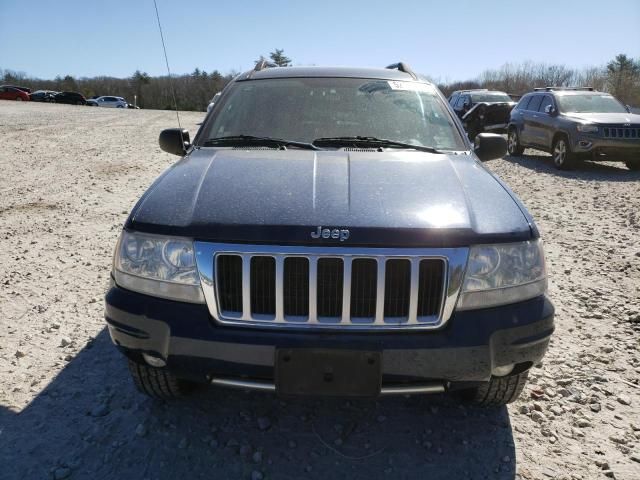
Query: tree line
pixel 193 91
pixel 620 77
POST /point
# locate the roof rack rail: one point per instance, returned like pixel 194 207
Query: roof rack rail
pixel 549 89
pixel 402 67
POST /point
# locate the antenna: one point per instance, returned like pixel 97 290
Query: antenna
pixel 166 59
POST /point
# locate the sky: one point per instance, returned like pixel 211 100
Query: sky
pixel 446 40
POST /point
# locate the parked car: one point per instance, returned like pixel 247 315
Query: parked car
pixel 131 105
pixel 575 124
pixel 43 96
pixel 334 233
pixel 213 101
pixel 13 93
pixel 24 89
pixel 482 110
pixel 72 98
pixel 111 102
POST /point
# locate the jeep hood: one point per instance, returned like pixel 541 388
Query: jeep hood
pixel 605 118
pixel 391 198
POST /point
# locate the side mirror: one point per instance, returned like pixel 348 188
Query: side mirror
pixel 489 146
pixel 175 141
pixel 550 110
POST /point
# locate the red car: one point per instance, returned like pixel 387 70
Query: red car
pixel 12 93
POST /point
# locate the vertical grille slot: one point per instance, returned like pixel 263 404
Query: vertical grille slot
pixel 263 285
pixel 364 285
pixel 296 287
pixel 397 291
pixel 330 285
pixel 230 282
pixel 430 286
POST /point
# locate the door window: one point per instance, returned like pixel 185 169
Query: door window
pixel 546 101
pixel 534 104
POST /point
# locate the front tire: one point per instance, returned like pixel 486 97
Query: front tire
pixel 498 391
pixel 18 99
pixel 562 155
pixel 156 382
pixel 513 144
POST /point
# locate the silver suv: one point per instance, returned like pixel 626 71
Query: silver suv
pixel 575 124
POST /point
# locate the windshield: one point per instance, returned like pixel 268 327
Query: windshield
pixel 590 104
pixel 305 109
pixel 490 97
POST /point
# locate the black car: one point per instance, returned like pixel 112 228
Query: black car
pixel 573 124
pixel 482 110
pixel 72 98
pixel 331 231
pixel 43 96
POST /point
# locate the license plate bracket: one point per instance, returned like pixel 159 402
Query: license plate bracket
pixel 328 372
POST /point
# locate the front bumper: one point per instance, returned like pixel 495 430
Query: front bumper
pixel 194 346
pixel 606 149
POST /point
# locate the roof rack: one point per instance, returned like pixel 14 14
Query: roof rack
pixel 549 89
pixel 402 67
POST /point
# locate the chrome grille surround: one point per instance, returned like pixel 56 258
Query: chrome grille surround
pixel 454 261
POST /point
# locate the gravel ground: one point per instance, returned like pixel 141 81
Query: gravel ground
pixel 69 410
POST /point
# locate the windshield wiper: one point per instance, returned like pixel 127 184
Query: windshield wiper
pixel 241 140
pixel 359 141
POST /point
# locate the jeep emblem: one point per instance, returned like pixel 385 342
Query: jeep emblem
pixel 341 234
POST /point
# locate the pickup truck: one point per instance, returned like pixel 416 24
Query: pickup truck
pixel 331 231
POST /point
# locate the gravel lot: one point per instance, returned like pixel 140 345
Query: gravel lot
pixel 69 410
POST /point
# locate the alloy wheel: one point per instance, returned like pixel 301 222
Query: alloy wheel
pixel 560 153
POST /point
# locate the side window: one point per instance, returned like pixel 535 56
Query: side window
pixel 461 100
pixel 546 101
pixel 535 103
pixel 453 98
pixel 524 101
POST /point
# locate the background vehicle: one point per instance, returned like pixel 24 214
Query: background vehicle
pixel 340 204
pixel 111 102
pixel 72 98
pixel 13 93
pixel 24 89
pixel 482 110
pixel 43 95
pixel 575 123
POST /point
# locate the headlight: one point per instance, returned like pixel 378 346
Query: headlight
pixel 587 128
pixel 159 266
pixel 502 274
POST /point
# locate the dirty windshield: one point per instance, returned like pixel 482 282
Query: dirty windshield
pixel 306 109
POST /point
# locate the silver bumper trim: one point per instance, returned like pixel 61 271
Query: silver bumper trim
pixel 416 389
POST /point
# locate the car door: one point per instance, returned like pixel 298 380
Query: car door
pixel 528 133
pixel 545 124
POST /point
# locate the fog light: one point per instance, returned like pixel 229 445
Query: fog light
pixel 584 144
pixel 154 361
pixel 502 371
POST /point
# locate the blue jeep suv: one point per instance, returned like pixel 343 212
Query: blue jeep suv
pixel 331 231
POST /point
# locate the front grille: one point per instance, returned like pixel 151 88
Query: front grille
pixel 621 132
pixel 340 290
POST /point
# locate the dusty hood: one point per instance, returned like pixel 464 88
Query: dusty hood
pixel 386 198
pixel 606 118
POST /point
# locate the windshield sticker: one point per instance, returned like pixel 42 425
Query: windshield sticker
pixel 410 86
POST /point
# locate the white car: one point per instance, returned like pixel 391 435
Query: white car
pixel 112 102
pixel 213 101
